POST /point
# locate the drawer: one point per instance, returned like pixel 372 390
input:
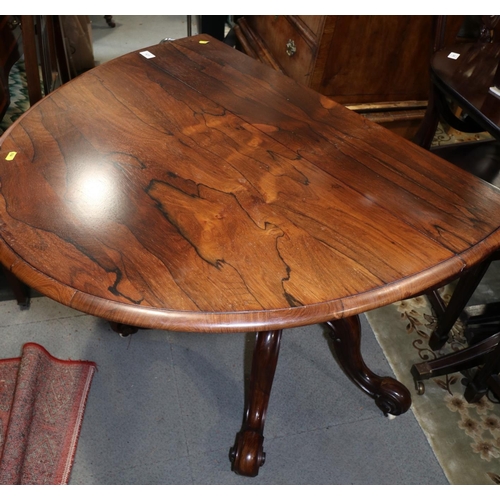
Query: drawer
pixel 315 24
pixel 286 43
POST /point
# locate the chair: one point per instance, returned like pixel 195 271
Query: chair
pixel 10 53
pixel 47 66
pixel 461 74
pixel 461 77
pixel 45 54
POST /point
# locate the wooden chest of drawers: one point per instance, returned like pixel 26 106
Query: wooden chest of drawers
pixel 377 65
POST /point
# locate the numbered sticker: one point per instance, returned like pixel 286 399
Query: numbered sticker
pixel 495 91
pixel 11 156
pixel 147 54
pixel 453 55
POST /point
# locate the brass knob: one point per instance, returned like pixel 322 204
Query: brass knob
pixel 13 22
pixel 291 48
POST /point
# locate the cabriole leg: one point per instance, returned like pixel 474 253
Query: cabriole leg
pixel 247 454
pixel 390 395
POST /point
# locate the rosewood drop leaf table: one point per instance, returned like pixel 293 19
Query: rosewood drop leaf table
pixel 188 187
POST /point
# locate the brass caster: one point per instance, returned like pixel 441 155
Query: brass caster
pixel 419 387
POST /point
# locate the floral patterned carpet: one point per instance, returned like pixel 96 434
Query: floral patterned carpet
pixel 464 437
pixel 446 135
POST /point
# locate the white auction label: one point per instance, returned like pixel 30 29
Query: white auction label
pixel 453 55
pixel 147 54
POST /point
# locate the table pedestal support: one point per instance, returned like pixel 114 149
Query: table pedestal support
pixel 247 454
pixel 390 395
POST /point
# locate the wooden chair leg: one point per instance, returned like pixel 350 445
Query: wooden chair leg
pixel 31 59
pixel 458 361
pixel 60 50
pixel 480 383
pixel 448 315
pixel 109 21
pixel 428 126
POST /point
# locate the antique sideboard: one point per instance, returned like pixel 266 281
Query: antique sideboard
pixel 375 65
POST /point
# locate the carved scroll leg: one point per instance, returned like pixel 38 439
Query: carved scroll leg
pixel 390 395
pixel 247 454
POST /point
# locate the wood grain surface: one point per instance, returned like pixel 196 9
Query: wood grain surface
pixel 200 190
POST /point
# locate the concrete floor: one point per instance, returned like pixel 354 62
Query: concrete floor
pixel 164 407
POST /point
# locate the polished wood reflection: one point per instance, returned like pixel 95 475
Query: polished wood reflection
pixel 199 190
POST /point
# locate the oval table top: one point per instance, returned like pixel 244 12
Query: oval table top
pixel 200 190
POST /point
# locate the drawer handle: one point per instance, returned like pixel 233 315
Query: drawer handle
pixel 13 22
pixel 290 48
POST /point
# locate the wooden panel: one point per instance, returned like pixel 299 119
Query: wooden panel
pixel 252 44
pixel 389 62
pixel 314 23
pixel 356 59
pixel 381 58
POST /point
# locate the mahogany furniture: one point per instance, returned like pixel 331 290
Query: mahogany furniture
pixel 46 60
pixel 192 188
pixel 463 75
pixel 41 40
pixel 375 65
pixel 465 80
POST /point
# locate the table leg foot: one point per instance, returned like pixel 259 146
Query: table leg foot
pixel 391 396
pixel 247 454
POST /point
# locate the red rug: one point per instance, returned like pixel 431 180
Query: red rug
pixel 42 401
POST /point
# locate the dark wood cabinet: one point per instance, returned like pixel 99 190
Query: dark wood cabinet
pixel 377 65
